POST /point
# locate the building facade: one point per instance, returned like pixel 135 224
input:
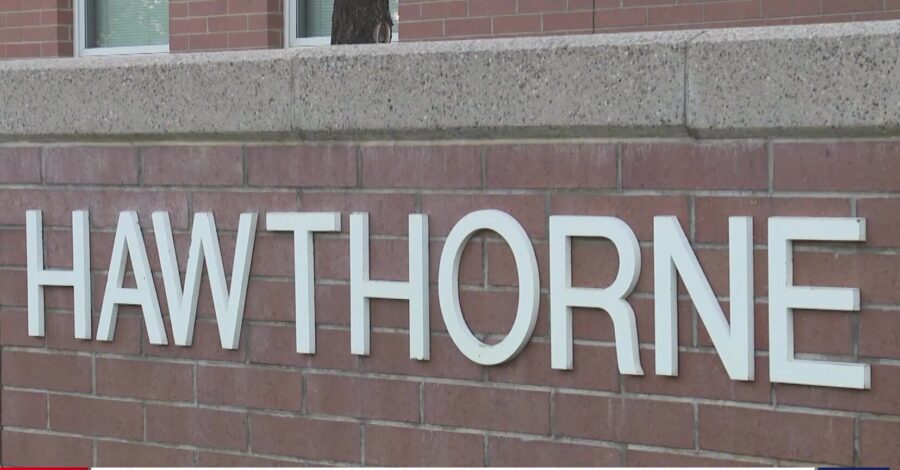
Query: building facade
pixel 660 248
pixel 47 28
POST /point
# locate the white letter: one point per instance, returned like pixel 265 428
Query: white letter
pixel 130 241
pixel 415 291
pixel 529 287
pixel 672 252
pixel 563 296
pixel 205 245
pixel 79 277
pixel 784 297
pixel 303 225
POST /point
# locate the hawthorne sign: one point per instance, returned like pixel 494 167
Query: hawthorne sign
pixel 673 257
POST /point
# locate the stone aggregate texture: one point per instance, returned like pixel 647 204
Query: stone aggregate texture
pixel 810 81
pixel 651 132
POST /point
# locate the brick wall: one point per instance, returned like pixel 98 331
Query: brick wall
pixel 43 28
pixel 460 19
pixel 128 402
pixel 217 25
pixel 35 28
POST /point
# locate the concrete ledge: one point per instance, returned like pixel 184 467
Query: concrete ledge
pixel 839 79
pixel 812 81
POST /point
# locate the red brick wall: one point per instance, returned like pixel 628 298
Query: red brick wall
pixel 35 28
pixel 460 19
pixel 217 25
pixel 131 403
pixel 43 28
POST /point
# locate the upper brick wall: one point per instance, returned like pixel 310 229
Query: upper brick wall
pixel 463 19
pixel 218 25
pixel 35 28
pixel 43 28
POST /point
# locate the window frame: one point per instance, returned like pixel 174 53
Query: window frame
pixel 81 49
pixel 290 27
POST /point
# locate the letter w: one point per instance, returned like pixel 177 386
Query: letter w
pixel 228 303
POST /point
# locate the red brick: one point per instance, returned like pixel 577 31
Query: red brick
pixel 194 165
pixel 390 354
pixel 876 275
pixel 249 387
pixel 675 165
pixel 635 421
pixel 197 427
pixel 491 7
pixel 537 6
pixel 228 206
pixel 444 9
pixel 96 417
pixel 469 27
pixel 840 166
pixel 227 23
pixel 24 409
pixel 144 379
pixel 677 14
pixel 511 452
pixel 642 458
pixel 882 226
pixel 27 449
pixel 729 11
pixel 276 345
pixel 395 400
pixel 595 368
pixel 206 344
pixel 786 8
pixel 388 445
pixel 620 17
pixel 830 7
pixel 20 165
pixel 56 205
pixel 302 165
pixel 91 165
pixel 880 399
pixel 417 166
pixel 700 375
pixel 516 24
pixel 445 210
pixel 11 242
pixel 878 443
pixel 879 333
pixel 569 21
pixel 388 213
pixel 712 213
pixel 783 435
pixel 636 211
pixel 487 408
pixel 14 328
pixel 55 372
pixel 107 204
pixel 305 438
pixel 61 334
pixel 415 30
pixel 550 166
pixel 126 454
pixel 223 459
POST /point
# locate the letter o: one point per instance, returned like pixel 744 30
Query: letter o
pixel 529 287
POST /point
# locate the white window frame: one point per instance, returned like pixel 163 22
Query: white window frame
pixel 81 50
pixel 290 26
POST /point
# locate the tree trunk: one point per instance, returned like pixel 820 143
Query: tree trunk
pixel 361 22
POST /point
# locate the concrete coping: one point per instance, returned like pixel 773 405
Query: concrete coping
pixel 819 80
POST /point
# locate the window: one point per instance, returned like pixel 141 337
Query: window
pixel 309 21
pixel 106 27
